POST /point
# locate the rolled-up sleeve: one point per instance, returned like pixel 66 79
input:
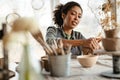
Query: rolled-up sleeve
pixel 51 35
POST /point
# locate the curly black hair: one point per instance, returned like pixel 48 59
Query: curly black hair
pixel 57 17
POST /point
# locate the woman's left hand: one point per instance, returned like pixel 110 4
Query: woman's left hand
pixel 95 43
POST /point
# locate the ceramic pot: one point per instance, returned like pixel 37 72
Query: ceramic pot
pixel 113 33
pixel 44 63
pixel 60 65
pixel 1 63
pixel 111 44
pixel 87 61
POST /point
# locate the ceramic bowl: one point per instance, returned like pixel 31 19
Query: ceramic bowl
pixel 87 60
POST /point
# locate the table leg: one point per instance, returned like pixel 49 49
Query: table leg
pixel 115 73
pixel 116 64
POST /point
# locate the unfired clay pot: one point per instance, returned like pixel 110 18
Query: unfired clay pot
pixel 87 60
pixel 44 63
pixel 113 33
pixel 1 62
pixel 111 44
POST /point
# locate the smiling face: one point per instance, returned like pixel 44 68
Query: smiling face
pixel 72 18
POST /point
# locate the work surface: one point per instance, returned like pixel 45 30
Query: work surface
pixel 77 72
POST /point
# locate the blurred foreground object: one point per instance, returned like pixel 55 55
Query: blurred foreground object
pixel 29 66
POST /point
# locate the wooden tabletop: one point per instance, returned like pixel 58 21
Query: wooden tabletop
pixel 77 72
pixel 104 52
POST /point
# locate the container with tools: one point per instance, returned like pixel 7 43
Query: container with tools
pixel 60 65
pixel 59 61
pixel 59 58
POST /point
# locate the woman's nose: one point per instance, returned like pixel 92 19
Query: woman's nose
pixel 76 18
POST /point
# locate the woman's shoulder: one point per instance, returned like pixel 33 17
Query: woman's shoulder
pixel 53 28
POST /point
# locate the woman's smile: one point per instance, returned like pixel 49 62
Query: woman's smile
pixel 75 23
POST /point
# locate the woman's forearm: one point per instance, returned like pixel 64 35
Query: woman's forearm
pixel 91 43
pixel 73 42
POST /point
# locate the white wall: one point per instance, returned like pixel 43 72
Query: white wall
pixel 87 25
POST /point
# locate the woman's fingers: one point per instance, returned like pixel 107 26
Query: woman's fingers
pixel 99 39
pixel 96 44
pixel 93 43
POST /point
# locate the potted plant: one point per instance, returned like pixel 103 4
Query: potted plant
pixel 108 20
pixel 111 42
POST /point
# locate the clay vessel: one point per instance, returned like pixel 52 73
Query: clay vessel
pixel 113 33
pixel 87 61
pixel 44 63
pixel 111 44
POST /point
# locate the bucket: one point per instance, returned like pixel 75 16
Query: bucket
pixel 60 65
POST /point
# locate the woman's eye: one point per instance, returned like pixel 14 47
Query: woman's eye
pixel 73 13
pixel 79 16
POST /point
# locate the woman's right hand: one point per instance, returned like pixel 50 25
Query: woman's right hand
pixel 91 43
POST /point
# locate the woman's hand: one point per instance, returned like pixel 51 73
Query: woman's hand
pixel 92 43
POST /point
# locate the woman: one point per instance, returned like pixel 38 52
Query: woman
pixel 67 17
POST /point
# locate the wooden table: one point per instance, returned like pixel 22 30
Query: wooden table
pixel 104 52
pixel 77 72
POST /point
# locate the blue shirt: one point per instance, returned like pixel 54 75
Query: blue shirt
pixel 54 33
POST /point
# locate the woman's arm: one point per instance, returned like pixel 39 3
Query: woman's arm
pixel 73 42
pixel 91 43
pixel 88 43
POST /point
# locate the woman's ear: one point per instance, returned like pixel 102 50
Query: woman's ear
pixel 63 16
